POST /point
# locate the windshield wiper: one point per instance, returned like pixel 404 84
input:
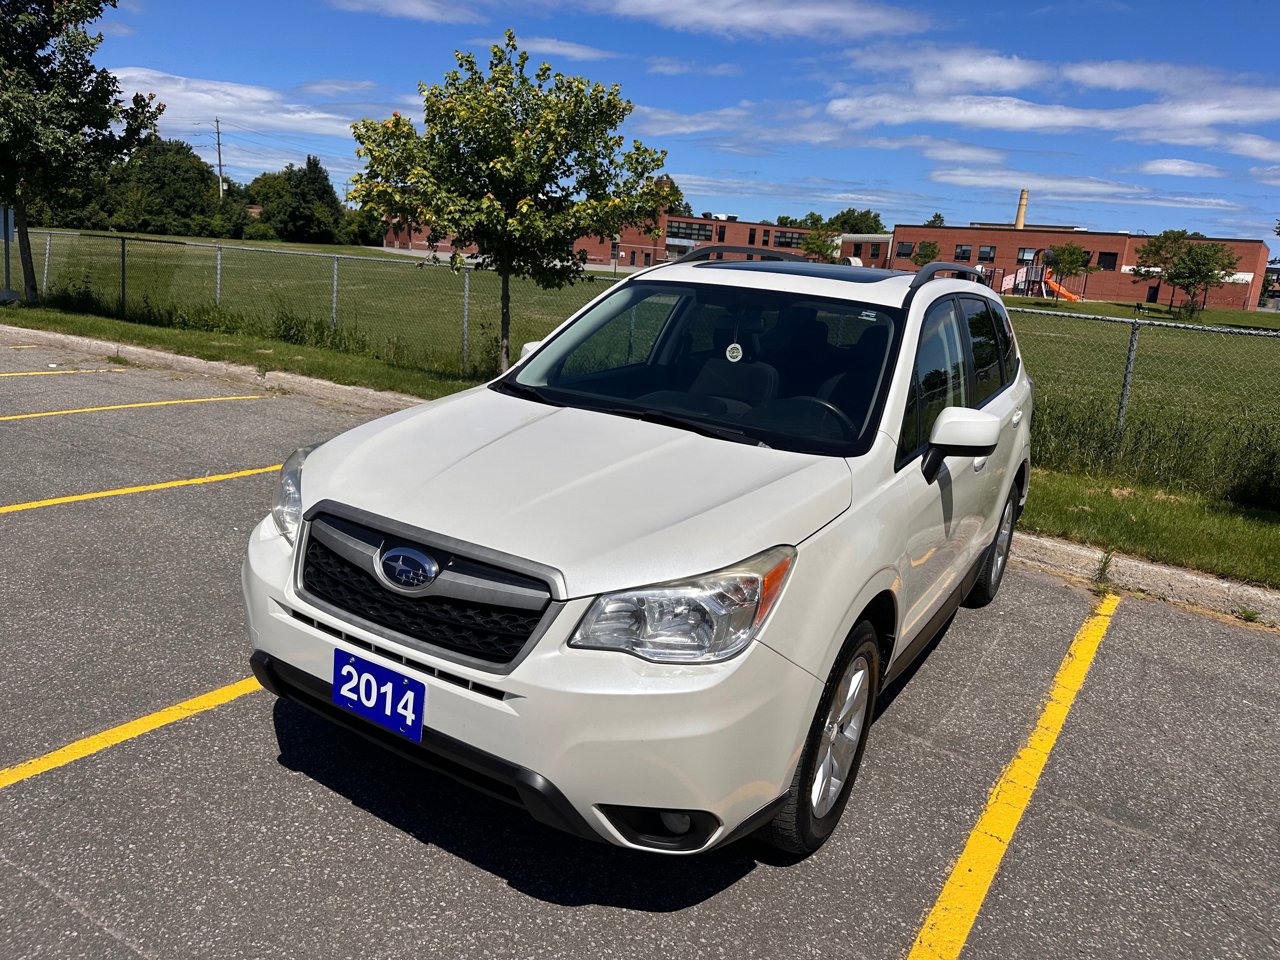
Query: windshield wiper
pixel 513 388
pixel 668 419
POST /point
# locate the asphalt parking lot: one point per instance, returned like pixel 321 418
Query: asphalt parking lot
pixel 253 829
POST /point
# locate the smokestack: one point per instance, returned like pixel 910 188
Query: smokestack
pixel 1021 220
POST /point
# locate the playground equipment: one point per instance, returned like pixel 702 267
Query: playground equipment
pixel 1034 281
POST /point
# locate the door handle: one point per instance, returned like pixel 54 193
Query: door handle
pixel 979 463
pixel 1017 417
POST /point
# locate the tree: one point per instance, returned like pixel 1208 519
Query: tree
pixel 299 203
pixel 857 221
pixel 926 252
pixel 61 118
pixel 1068 260
pixel 821 244
pixel 935 221
pixel 1200 267
pixel 810 221
pixel 1157 255
pixel 163 187
pixel 521 165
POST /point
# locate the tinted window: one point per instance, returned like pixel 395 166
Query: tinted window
pixel 939 373
pixel 1004 336
pixel 986 348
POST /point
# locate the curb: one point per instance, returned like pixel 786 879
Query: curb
pixel 378 400
pixel 1142 576
pixel 1044 553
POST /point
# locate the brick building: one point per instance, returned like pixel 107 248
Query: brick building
pixel 1015 258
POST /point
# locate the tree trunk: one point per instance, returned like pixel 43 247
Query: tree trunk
pixel 31 292
pixel 504 337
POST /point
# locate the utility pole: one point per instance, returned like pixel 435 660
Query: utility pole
pixel 217 130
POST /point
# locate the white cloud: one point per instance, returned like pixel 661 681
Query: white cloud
pixel 935 70
pixel 677 66
pixel 938 148
pixel 990 113
pixel 336 88
pixel 1267 175
pixel 1137 75
pixel 657 122
pixel 1072 188
pixel 807 190
pixel 432 11
pixel 1250 145
pixel 114 28
pixel 548 46
pixel 751 19
pixel 1180 168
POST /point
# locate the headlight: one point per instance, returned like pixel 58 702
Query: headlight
pixel 286 509
pixel 703 620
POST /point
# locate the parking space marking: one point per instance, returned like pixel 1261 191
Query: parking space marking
pixel 56 373
pixel 125 406
pixel 126 731
pixel 946 928
pixel 121 491
pixel 25 346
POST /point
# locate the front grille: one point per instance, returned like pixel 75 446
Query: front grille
pixel 487 632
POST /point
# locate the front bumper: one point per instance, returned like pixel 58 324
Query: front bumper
pixel 573 736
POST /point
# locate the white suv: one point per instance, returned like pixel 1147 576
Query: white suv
pixel 648 584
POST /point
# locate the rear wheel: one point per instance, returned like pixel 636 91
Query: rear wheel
pixel 833 750
pixel 997 556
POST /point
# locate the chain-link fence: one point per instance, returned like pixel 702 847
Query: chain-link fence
pixel 406 310
pixel 1181 406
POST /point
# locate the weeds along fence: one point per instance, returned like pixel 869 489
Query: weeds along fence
pixel 1180 406
pixel 407 311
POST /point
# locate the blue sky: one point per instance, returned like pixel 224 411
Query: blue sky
pixel 1136 115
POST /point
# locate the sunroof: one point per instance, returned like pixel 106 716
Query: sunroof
pixel 825 271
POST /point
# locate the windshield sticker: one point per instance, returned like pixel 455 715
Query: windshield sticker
pixel 734 352
pixel 869 315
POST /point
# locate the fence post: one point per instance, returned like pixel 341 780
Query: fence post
pixel 123 258
pixel 1128 380
pixel 333 322
pixel 44 278
pixel 217 281
pixel 466 312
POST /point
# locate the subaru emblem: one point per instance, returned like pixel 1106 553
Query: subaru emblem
pixel 407 570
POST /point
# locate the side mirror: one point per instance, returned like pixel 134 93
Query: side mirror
pixel 529 347
pixel 959 432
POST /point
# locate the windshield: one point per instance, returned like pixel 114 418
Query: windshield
pixel 786 370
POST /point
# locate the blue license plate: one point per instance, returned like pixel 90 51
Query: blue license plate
pixel 378 693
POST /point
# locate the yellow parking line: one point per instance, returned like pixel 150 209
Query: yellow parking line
pixel 26 346
pixel 947 926
pixel 97 495
pixel 126 731
pixel 123 406
pixel 55 373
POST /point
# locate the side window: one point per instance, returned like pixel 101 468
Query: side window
pixel 1004 336
pixel 986 348
pixel 939 380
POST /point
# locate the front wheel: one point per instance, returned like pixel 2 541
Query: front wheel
pixel 833 750
pixel 997 556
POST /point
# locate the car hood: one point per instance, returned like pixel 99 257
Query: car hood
pixel 608 501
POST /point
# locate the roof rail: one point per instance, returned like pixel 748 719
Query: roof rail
pixel 931 270
pixel 705 253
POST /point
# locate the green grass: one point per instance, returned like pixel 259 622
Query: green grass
pixel 1213 317
pixel 260 352
pixel 1185 530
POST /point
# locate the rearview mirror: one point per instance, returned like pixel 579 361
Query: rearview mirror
pixel 959 432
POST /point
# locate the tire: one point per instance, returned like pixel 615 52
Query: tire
pixel 996 559
pixel 813 806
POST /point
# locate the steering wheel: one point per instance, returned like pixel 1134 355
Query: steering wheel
pixel 848 426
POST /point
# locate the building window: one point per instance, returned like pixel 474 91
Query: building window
pixel 648 259
pixel 904 248
pixel 751 236
pixel 1026 254
pixel 720 234
pixel 875 251
pixel 963 252
pixel 857 250
pixel 765 242
pixel 986 254
pixel 683 230
pixel 788 238
pixel 1107 261
pixel 613 250
pixel 633 258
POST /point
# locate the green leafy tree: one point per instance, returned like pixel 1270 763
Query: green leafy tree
pixel 520 164
pixel 1157 256
pixel 299 204
pixel 858 221
pixel 935 221
pixel 1069 260
pixel 926 252
pixel 61 118
pixel 363 228
pixel 821 244
pixel 1199 268
pixel 163 187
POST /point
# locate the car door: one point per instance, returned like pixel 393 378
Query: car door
pixel 939 517
pixel 994 365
